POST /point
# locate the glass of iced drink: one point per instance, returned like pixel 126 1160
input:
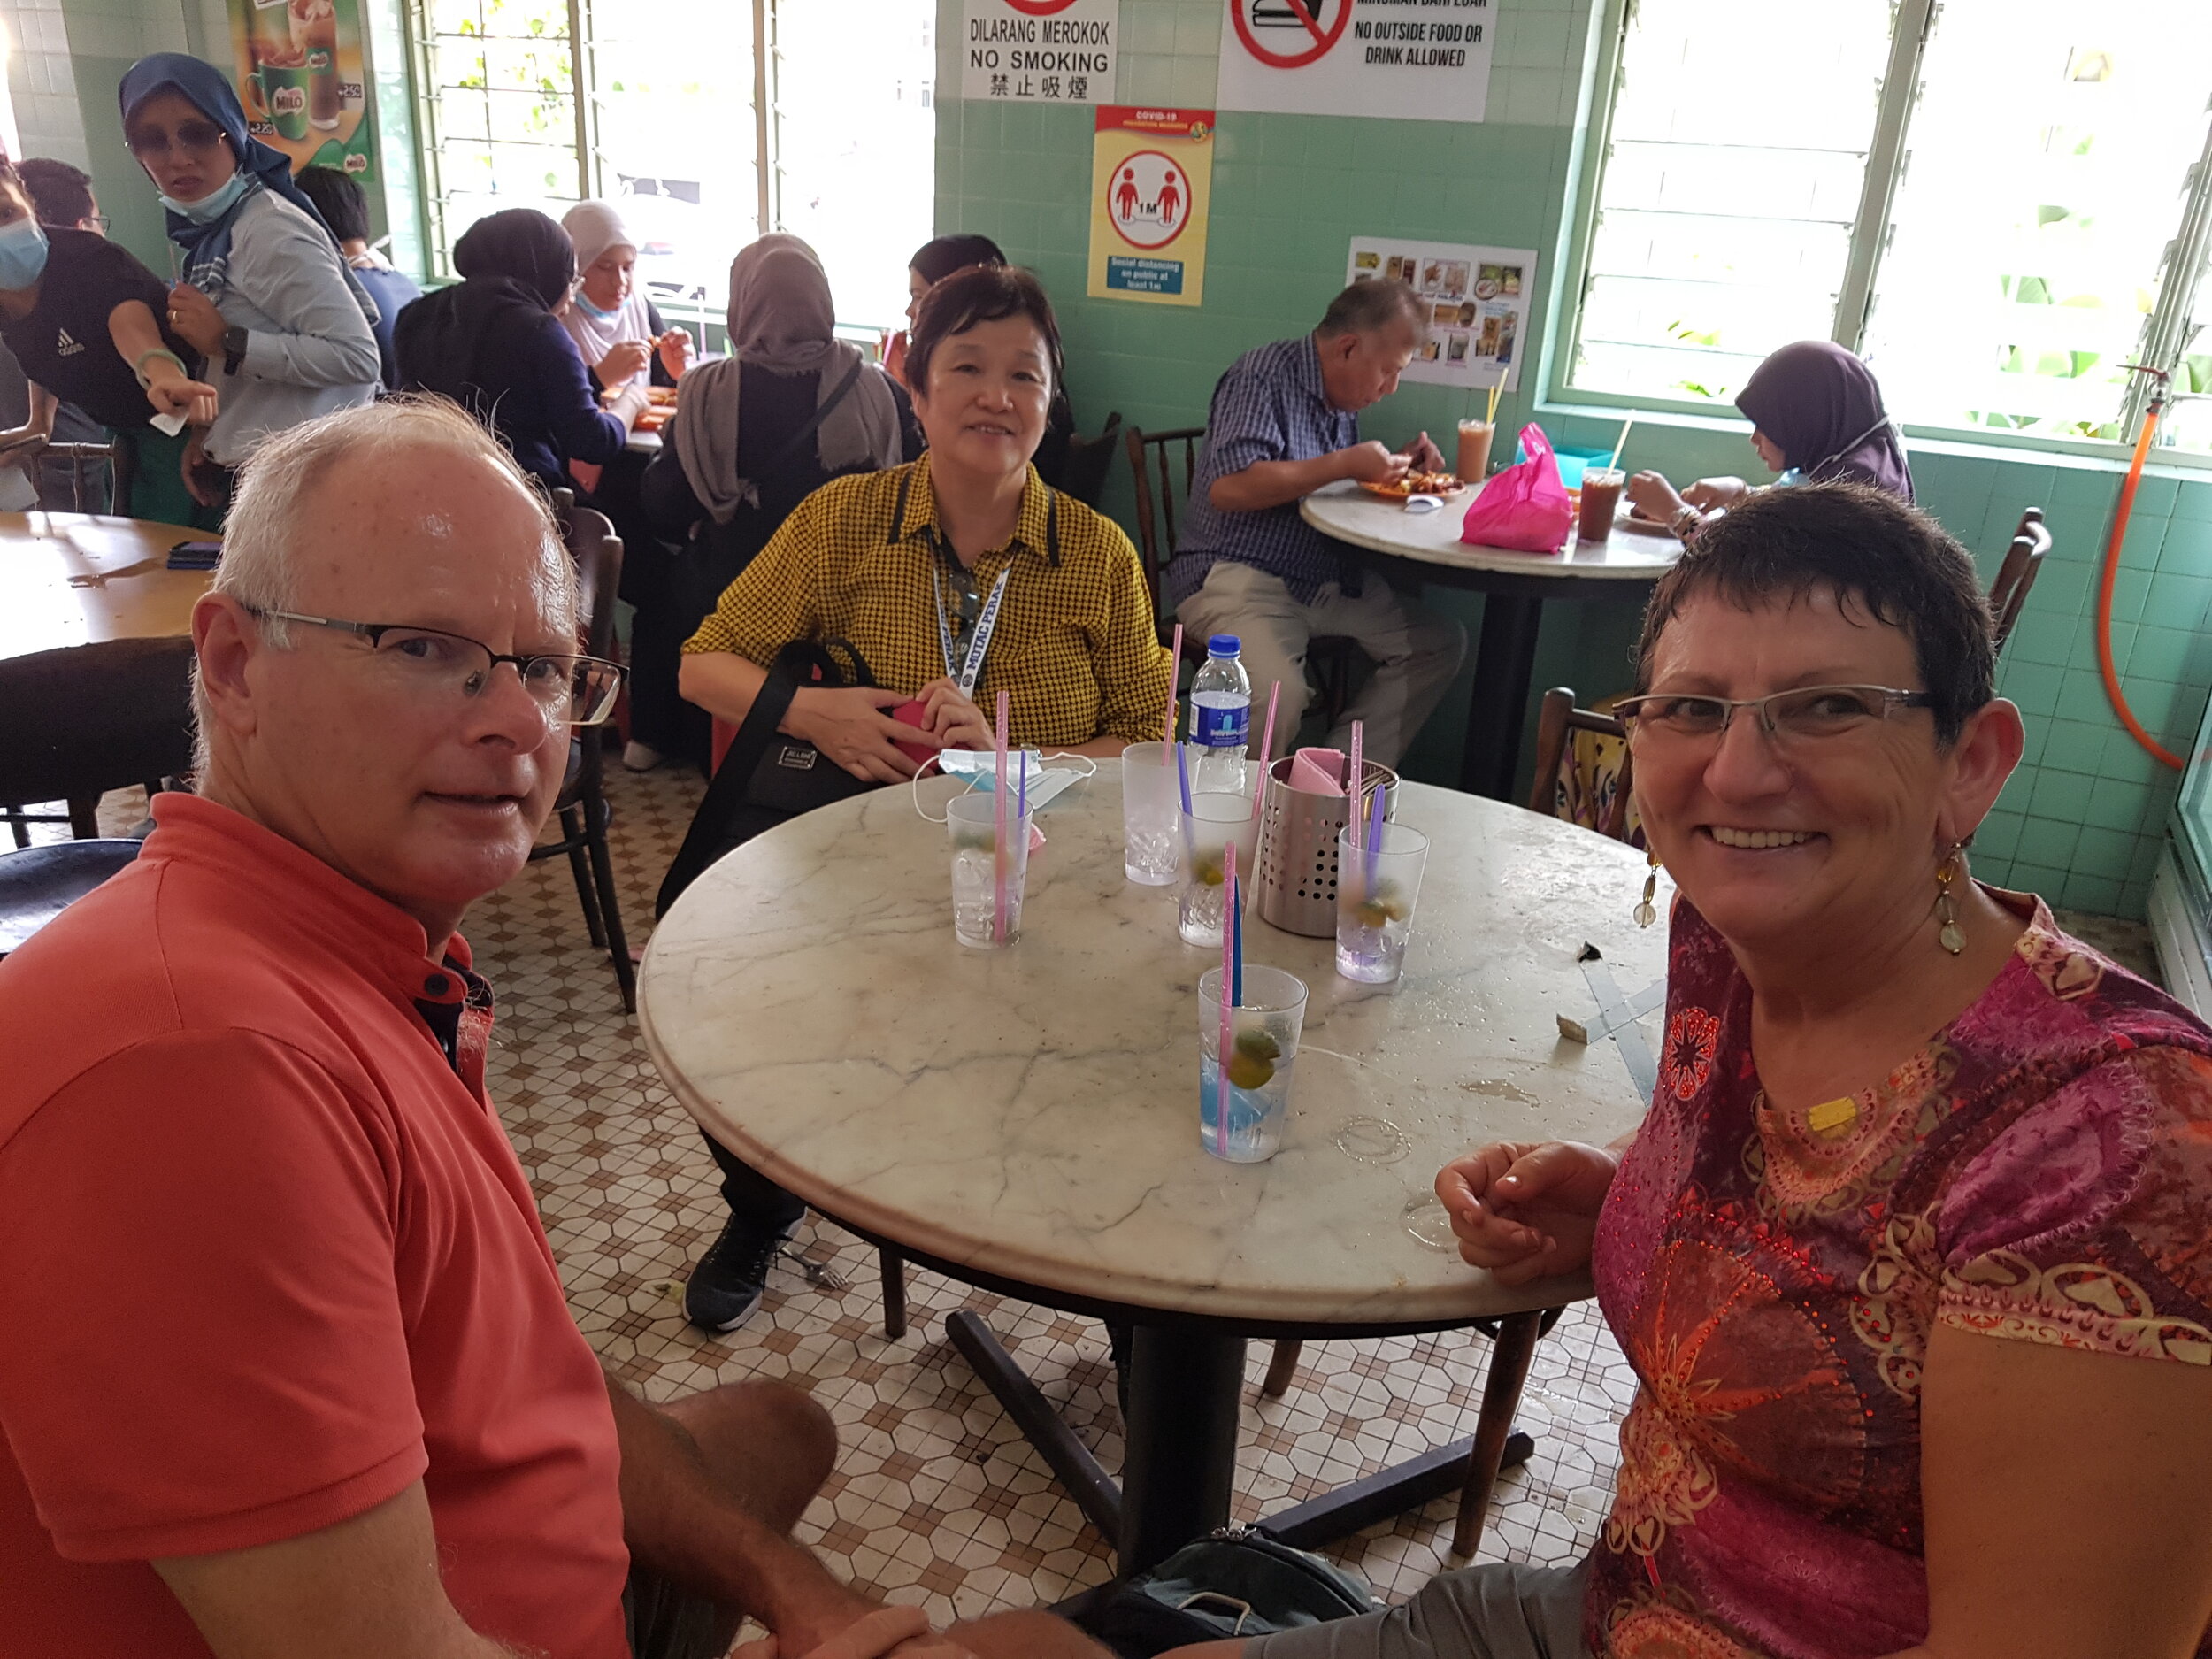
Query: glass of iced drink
pixel 1262 1053
pixel 972 820
pixel 1601 501
pixel 1151 828
pixel 1217 820
pixel 1377 888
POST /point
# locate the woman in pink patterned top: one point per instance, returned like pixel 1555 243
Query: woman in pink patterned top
pixel 1913 1253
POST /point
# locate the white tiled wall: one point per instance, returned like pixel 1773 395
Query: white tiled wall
pixel 40 84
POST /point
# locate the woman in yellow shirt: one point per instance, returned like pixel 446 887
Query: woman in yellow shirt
pixel 956 576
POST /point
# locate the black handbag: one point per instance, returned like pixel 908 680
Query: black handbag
pixel 766 778
pixel 1238 1582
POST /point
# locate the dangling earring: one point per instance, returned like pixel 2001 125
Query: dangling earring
pixel 1949 934
pixel 1645 912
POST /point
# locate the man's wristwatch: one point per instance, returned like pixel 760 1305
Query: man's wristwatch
pixel 233 348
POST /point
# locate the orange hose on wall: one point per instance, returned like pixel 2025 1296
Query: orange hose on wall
pixel 2120 514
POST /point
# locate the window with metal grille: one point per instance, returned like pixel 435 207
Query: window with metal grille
pixel 2000 203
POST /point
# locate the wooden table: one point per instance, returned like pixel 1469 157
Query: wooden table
pixel 1417 548
pixel 70 579
pixel 1027 1120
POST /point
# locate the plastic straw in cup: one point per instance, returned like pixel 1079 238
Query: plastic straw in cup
pixel 1235 922
pixel 1174 666
pixel 1627 427
pixel 1182 777
pixel 1355 784
pixel 1374 840
pixel 1002 857
pixel 1267 745
pixel 1228 1010
pixel 1494 390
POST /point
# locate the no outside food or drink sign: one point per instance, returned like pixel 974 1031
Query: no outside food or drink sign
pixel 1151 182
pixel 1408 59
pixel 1037 51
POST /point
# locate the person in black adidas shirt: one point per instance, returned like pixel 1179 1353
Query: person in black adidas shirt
pixel 82 316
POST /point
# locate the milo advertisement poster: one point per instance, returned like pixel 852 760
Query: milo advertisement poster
pixel 300 76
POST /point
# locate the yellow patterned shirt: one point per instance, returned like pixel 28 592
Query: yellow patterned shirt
pixel 1076 646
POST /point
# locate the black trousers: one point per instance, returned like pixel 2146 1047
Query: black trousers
pixel 752 1197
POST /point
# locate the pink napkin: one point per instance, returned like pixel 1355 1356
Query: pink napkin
pixel 1319 770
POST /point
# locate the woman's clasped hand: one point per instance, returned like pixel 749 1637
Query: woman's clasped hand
pixel 1527 1209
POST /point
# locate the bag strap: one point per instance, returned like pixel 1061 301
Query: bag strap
pixel 726 789
pixel 822 412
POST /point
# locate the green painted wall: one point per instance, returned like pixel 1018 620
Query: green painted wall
pixel 2081 820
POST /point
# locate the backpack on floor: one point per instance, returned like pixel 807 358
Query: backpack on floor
pixel 1238 1582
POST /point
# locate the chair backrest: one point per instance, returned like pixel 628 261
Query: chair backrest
pixel 95 717
pixel 597 551
pixel 1083 473
pixel 1156 538
pixel 2024 560
pixel 1557 720
pixel 90 469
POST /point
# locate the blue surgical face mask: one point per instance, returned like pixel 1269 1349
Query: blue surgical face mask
pixel 211 206
pixel 22 253
pixel 583 303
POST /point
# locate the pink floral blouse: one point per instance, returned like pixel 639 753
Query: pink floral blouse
pixel 2041 1173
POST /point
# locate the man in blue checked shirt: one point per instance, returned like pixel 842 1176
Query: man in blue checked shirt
pixel 1284 421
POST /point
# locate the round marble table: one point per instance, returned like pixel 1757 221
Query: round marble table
pixel 1027 1118
pixel 1426 547
pixel 69 579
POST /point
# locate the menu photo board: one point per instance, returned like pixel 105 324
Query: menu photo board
pixel 1476 300
pixel 301 77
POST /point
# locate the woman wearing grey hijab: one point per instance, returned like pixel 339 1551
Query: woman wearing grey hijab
pixel 754 434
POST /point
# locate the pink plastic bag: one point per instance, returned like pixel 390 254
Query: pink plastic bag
pixel 1525 507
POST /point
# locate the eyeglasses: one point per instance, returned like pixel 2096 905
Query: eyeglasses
pixel 199 138
pixel 452 667
pixel 1807 714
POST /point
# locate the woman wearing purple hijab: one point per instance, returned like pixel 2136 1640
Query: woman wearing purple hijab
pixel 1817 418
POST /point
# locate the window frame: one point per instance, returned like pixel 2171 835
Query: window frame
pixel 2166 330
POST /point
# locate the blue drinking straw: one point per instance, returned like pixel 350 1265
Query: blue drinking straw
pixel 1182 776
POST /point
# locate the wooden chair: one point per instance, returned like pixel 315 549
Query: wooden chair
pixel 2023 561
pixel 98 475
pixel 582 806
pixel 1083 475
pixel 1329 657
pixel 1557 720
pixel 92 718
pixel 38 883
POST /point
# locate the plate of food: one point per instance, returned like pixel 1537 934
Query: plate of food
pixel 661 397
pixel 1444 486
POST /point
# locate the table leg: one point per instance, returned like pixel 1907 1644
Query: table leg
pixel 1091 1486
pixel 1509 1358
pixel 1505 661
pixel 1185 1388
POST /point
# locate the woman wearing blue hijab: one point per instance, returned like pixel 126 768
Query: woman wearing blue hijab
pixel 264 296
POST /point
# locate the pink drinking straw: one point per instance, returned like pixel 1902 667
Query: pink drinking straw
pixel 1228 1000
pixel 1174 665
pixel 1002 857
pixel 1267 745
pixel 1355 786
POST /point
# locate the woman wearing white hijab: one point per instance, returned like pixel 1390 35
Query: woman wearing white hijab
pixel 757 432
pixel 614 325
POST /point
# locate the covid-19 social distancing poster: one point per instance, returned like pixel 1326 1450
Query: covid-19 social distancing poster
pixel 1151 185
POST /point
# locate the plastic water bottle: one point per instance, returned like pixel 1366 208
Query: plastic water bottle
pixel 1221 716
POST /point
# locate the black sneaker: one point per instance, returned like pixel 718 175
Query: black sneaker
pixel 726 1285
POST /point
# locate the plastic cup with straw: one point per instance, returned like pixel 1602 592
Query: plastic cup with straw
pixel 1232 991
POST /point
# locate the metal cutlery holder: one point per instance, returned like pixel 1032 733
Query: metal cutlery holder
pixel 1298 848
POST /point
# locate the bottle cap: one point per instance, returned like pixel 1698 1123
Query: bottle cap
pixel 1223 645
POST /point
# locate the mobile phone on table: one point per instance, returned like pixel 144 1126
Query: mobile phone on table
pixel 195 556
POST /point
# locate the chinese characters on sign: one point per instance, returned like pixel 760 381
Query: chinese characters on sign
pixel 1039 52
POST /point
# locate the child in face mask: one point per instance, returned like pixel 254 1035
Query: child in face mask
pixel 82 318
pixel 265 297
pixel 1817 417
pixel 615 326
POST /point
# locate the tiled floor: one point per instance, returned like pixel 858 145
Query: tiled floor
pixel 936 1499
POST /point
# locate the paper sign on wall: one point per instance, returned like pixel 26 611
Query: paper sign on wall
pixel 1429 62
pixel 1039 52
pixel 1477 300
pixel 300 77
pixel 1151 182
